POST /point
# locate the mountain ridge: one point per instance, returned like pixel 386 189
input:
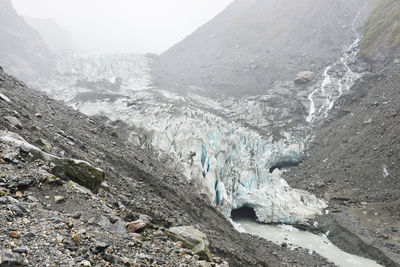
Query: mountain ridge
pixel 218 56
pixel 23 52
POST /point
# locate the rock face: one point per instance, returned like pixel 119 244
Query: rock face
pixel 22 51
pixel 254 43
pixel 79 171
pixel 304 77
pixel 192 239
pixel 54 36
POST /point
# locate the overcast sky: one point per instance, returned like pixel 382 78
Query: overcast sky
pixel 107 26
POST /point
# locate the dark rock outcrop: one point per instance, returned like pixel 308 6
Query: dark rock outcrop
pixel 77 170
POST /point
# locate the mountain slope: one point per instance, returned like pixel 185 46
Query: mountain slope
pixel 253 43
pixel 382 30
pixel 354 161
pixel 53 35
pixel 22 50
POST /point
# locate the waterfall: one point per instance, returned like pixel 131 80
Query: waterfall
pixel 324 97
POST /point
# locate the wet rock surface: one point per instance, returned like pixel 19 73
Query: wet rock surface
pixel 38 230
pixel 354 164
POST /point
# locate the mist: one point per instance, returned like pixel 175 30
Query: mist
pixel 127 26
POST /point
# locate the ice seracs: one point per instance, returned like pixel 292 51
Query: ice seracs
pixel 236 148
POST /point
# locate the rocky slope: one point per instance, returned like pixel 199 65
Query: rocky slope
pixel 252 44
pixel 35 202
pixel 177 156
pixel 353 161
pixel 22 50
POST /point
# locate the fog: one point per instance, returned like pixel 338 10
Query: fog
pixel 110 26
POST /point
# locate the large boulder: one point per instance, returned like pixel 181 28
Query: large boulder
pixel 78 171
pixel 304 77
pixel 192 239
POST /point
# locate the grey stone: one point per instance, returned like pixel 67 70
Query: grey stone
pixel 117 227
pixel 101 246
pixel 33 199
pixel 304 77
pixel 9 155
pixel 78 171
pixel 43 143
pixel 91 220
pixel 109 258
pixel 14 122
pixel 58 199
pixel 8 200
pixel 77 215
pixel 17 209
pixel 20 250
pixel 8 258
pixel 5 98
pixel 192 239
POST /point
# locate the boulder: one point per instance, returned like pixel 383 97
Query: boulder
pixel 78 171
pixel 8 258
pixel 192 239
pixel 14 122
pixel 304 77
pixel 117 226
pixel 136 226
pixel 43 143
pixel 4 98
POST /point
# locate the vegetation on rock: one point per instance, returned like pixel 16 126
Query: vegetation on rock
pixel 382 30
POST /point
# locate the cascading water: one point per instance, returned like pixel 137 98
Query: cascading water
pixel 322 101
pixel 323 98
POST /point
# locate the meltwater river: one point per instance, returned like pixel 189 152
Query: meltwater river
pixel 296 238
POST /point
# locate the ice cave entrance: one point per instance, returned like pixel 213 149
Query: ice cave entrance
pixel 284 165
pixel 244 212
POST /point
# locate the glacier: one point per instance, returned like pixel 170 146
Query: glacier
pixel 236 148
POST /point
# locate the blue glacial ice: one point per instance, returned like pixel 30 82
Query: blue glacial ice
pixel 237 165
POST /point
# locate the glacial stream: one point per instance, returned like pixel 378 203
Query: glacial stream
pixel 333 86
pixel 296 238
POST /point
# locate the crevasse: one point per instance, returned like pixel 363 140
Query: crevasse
pixel 236 164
